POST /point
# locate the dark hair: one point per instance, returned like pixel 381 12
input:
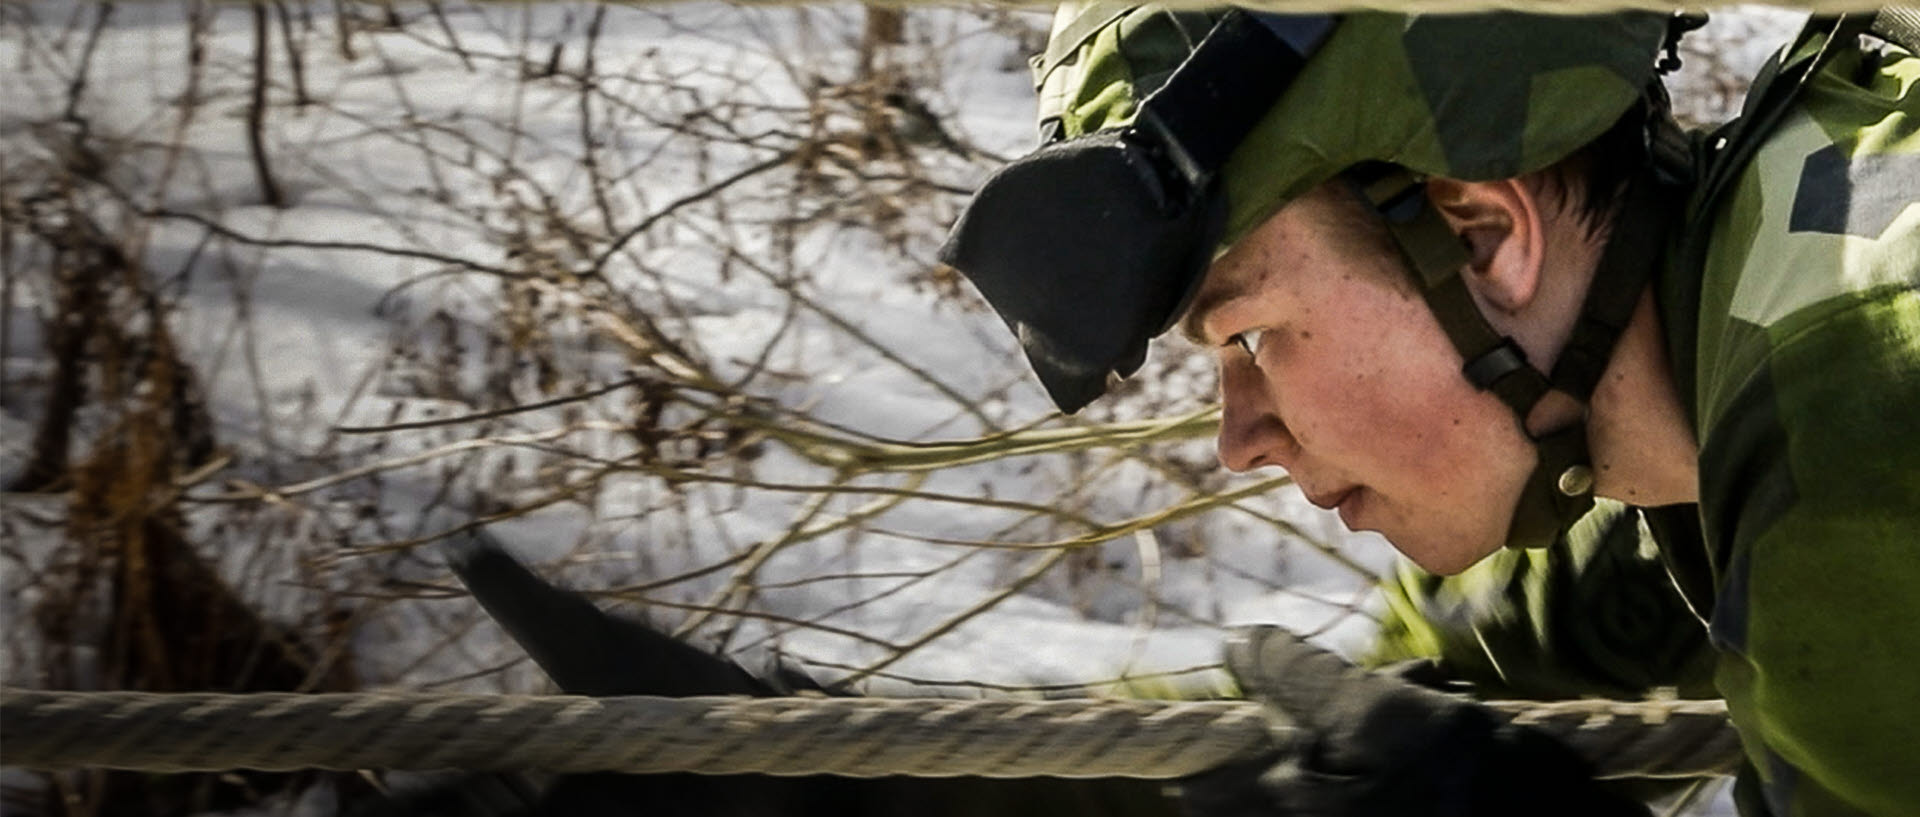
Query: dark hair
pixel 1598 172
pixel 1593 178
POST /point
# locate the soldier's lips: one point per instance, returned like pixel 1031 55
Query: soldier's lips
pixel 1328 502
pixel 1347 501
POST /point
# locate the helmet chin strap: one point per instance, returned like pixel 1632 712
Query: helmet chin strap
pixel 1560 489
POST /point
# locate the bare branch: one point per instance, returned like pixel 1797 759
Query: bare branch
pixel 257 111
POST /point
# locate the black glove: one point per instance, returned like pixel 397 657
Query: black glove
pixel 584 649
pixel 1369 745
pixel 588 651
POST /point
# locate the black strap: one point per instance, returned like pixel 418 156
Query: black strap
pixel 1559 490
pixel 1633 250
pixel 1217 96
pixel 1436 255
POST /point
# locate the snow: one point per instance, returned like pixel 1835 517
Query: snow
pixel 806 290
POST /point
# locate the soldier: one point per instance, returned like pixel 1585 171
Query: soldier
pixel 1461 275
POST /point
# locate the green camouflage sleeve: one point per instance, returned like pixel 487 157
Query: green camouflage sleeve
pixel 1807 399
pixel 1806 392
pixel 1594 615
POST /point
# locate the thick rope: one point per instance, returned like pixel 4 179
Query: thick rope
pixel 1436 6
pixel 855 737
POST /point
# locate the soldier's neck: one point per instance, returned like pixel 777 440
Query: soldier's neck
pixel 1644 451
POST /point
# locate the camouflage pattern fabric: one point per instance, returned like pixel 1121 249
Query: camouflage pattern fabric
pixel 1798 351
pixel 1592 616
pixel 1486 96
pixel 1805 391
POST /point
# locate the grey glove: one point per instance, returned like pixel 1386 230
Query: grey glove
pixel 1379 746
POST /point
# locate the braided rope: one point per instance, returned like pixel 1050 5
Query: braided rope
pixel 1449 6
pixel 1639 739
pixel 856 737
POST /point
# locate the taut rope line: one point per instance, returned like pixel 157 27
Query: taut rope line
pixel 1441 6
pixel 856 737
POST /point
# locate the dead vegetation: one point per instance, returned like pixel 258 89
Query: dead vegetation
pixel 127 601
pixel 181 520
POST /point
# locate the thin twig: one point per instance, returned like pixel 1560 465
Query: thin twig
pixel 257 111
pixel 1039 568
pixel 506 411
pixel 645 224
pixel 350 246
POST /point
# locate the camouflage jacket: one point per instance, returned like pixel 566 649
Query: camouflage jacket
pixel 1793 323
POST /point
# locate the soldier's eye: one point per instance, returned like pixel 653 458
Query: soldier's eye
pixel 1249 341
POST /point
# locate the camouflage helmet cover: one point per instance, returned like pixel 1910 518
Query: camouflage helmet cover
pixel 1473 97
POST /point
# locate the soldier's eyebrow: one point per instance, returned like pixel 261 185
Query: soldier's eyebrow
pixel 1193 326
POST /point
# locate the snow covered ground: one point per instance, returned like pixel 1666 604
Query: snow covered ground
pixel 732 211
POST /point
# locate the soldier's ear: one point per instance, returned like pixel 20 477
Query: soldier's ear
pixel 1501 223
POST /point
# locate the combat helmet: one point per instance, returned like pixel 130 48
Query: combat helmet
pixel 1169 135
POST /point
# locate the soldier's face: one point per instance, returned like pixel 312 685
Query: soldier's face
pixel 1354 389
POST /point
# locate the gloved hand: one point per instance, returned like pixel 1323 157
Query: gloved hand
pixel 1371 745
pixel 588 651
